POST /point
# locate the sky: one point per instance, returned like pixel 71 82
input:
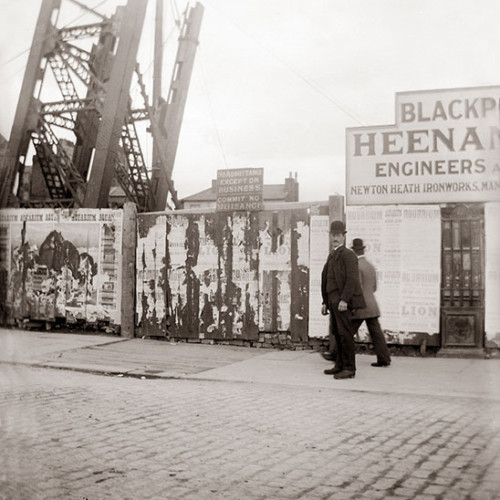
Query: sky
pixel 276 82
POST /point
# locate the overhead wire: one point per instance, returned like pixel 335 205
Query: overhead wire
pixel 175 12
pixel 152 60
pixel 342 107
pixel 13 58
pixel 210 107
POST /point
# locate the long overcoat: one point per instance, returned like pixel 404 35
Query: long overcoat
pixel 368 280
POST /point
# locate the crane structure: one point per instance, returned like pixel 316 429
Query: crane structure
pixel 74 129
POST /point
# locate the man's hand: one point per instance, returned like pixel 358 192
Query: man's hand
pixel 324 310
pixel 342 306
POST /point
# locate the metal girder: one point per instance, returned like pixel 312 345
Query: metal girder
pixel 170 118
pixel 84 31
pixel 102 121
pixel 78 60
pixel 30 126
pixel 61 177
pixel 57 203
pixel 115 107
pixel 139 114
pixel 62 77
pixel 123 178
pixel 137 173
pixel 82 55
pixel 159 153
pixel 59 107
pixel 20 134
pixel 60 121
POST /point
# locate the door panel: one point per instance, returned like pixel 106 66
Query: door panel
pixel 462 286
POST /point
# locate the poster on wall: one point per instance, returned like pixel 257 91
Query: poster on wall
pixel 63 263
pixel 274 274
pixel 176 245
pixel 244 277
pixel 207 272
pixel 492 272
pixel 403 242
pixel 319 242
pixel 151 274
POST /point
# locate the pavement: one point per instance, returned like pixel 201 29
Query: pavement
pixel 146 358
pixel 98 417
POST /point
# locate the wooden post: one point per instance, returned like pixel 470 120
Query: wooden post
pixel 129 243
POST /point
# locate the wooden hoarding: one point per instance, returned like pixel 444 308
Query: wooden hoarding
pixel 223 275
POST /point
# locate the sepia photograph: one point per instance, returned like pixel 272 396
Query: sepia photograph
pixel 249 249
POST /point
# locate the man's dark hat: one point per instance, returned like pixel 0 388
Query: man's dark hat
pixel 357 244
pixel 337 227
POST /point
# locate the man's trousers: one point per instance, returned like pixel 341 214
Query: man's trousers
pixel 343 331
pixel 377 338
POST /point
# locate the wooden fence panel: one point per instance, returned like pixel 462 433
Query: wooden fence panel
pixel 228 275
pixel 177 288
pixel 151 282
pixel 207 273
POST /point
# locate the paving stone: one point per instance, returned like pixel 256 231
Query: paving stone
pixel 72 435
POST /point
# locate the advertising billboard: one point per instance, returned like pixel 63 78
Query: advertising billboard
pixel 444 147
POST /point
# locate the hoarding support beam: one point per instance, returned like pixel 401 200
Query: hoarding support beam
pixel 129 241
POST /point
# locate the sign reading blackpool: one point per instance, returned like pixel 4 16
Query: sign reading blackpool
pixel 239 189
pixel 445 147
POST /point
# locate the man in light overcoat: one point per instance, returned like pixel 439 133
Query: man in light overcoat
pixel 370 313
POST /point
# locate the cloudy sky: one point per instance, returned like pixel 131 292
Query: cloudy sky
pixel 276 82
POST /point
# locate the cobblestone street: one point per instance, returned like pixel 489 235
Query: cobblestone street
pixel 69 435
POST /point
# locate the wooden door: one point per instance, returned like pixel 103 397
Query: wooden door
pixel 462 280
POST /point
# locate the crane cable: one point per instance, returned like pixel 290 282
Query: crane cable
pixel 210 107
pixel 69 23
pixel 342 107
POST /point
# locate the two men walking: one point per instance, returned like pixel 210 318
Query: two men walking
pixel 347 285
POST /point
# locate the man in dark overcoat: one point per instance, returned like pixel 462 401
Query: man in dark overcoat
pixel 370 313
pixel 341 294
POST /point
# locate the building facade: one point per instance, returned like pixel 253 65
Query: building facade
pixel 286 192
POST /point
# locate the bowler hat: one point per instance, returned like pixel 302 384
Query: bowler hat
pixel 337 227
pixel 357 244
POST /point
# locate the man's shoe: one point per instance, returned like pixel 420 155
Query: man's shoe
pixel 327 355
pixel 381 363
pixel 332 371
pixel 344 374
